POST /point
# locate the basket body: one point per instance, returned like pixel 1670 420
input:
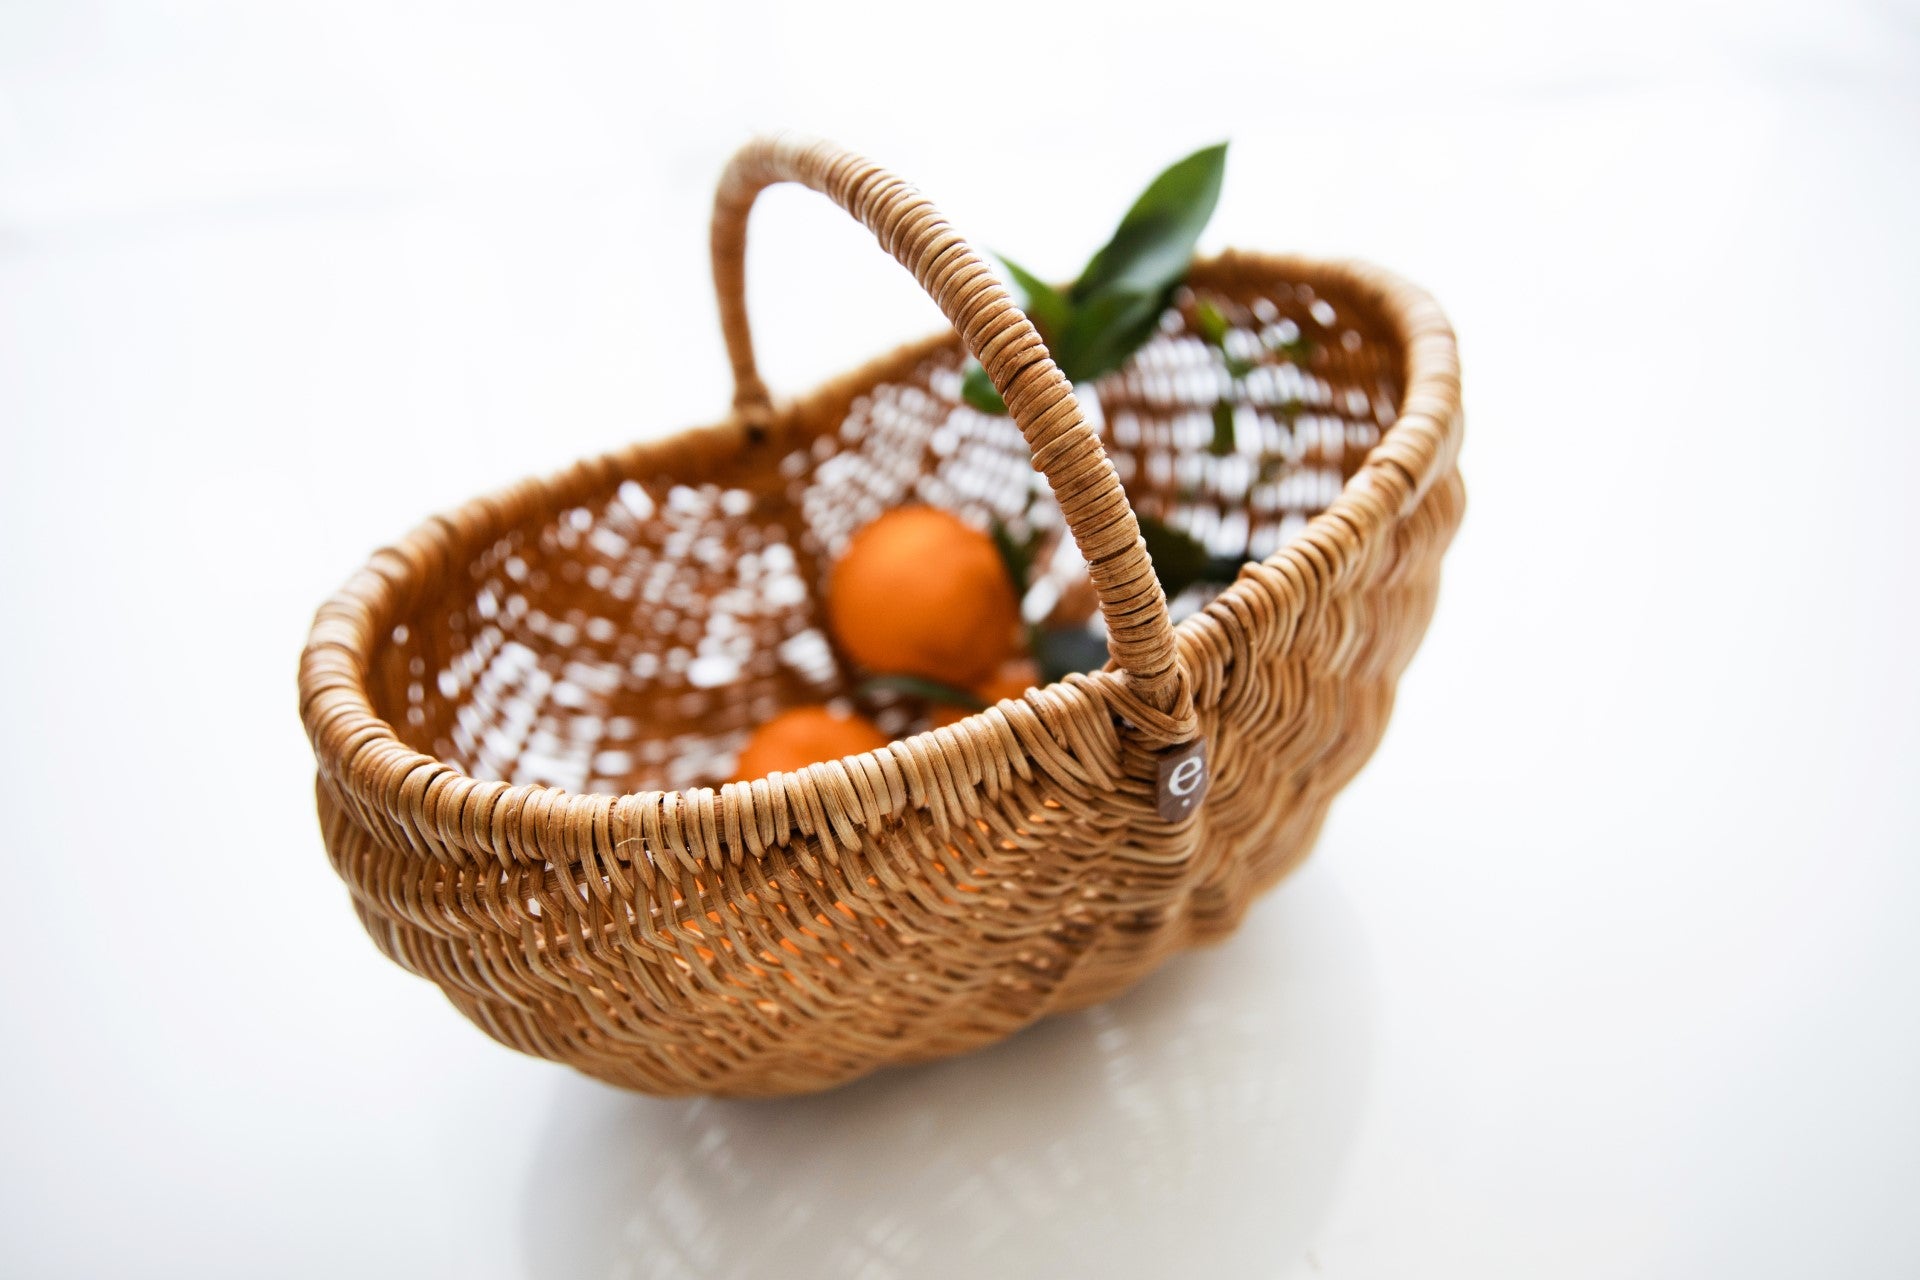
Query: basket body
pixel 521 710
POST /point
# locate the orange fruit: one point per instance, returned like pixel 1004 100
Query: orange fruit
pixel 920 592
pixel 802 736
pixel 1010 681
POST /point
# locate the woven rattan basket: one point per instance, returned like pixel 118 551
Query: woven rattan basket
pixel 524 712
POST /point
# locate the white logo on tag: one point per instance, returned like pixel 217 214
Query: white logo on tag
pixel 1183 780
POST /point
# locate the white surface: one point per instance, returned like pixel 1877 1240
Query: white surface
pixel 1606 966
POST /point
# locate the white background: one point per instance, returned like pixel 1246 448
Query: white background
pixel 1607 965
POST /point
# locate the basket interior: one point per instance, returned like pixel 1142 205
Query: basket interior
pixel 632 643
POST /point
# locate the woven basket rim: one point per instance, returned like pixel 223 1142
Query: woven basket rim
pixel 415 788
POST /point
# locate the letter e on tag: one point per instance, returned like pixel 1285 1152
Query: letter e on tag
pixel 1183 779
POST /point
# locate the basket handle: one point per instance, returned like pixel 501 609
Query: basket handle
pixel 1065 449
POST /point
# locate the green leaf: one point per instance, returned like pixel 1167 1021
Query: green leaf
pixel 1151 249
pixel 1222 443
pixel 977 389
pixel 1045 305
pixel 1298 350
pixel 1016 554
pixel 1104 331
pixel 916 687
pixel 1070 649
pixel 1212 325
pixel 1114 308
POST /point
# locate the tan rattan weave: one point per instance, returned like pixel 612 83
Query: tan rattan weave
pixel 522 711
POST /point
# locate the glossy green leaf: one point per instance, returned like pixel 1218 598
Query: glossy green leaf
pixel 1151 249
pixel 977 389
pixel 1045 305
pixel 1104 331
pixel 1093 327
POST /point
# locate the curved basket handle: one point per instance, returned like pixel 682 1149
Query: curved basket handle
pixel 1040 399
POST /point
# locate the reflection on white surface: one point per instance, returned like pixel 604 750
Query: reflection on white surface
pixel 1193 1126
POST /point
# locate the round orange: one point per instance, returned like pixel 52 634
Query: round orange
pixel 920 592
pixel 802 736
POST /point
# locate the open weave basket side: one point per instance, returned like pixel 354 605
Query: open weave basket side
pixel 617 629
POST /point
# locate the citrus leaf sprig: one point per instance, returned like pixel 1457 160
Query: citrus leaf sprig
pixel 1094 324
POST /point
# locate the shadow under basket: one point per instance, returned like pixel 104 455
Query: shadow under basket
pixel 526 712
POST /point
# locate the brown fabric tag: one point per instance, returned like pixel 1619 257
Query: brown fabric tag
pixel 1183 779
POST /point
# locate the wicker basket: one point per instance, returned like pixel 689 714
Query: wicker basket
pixel 522 712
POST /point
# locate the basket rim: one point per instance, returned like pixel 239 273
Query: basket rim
pixel 448 814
